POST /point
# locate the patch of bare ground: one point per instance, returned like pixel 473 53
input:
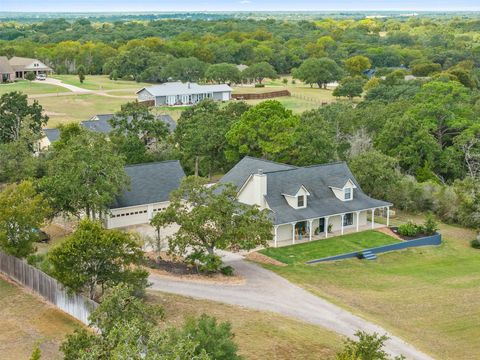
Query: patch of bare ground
pixel 263 259
pixel 174 268
pixel 389 232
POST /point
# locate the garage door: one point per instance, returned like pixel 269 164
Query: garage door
pixel 128 218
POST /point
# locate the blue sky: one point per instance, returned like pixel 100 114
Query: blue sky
pixel 236 5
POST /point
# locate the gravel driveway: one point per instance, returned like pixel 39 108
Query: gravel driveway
pixel 264 290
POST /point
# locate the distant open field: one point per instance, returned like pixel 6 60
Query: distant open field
pixel 425 295
pixel 100 82
pixel 31 88
pixel 25 320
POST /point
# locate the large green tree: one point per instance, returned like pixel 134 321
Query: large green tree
pixel 266 130
pixel 356 65
pixel 22 212
pixel 93 259
pixel 223 73
pixel 16 114
pixel 185 69
pixel 211 218
pixel 83 174
pixel 318 71
pixel 350 87
pixel 259 71
pixel 136 119
pixel 202 148
pixel 17 162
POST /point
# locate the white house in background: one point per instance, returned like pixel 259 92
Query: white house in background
pixel 148 193
pixel 98 123
pixel 178 93
pixel 21 66
pixel 304 201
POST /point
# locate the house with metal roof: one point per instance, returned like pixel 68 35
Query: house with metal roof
pixel 98 123
pixel 181 94
pixel 305 202
pixel 147 194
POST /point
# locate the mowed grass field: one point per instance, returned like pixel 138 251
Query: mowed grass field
pixel 31 88
pixel 259 335
pixel 300 253
pixel 100 82
pixel 25 320
pixel 428 296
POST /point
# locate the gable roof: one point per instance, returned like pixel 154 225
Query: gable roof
pixel 248 166
pixel 318 180
pixel 22 63
pixel 179 88
pixel 5 67
pixel 150 183
pixel 52 134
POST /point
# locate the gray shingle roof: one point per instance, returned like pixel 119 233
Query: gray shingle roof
pixel 150 183
pixel 100 123
pixel 179 88
pixel 52 134
pixel 248 166
pixel 318 181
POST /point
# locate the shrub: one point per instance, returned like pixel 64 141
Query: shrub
pixel 430 226
pixel 475 244
pixel 409 229
pixel 205 263
pixel 227 270
pixel 259 85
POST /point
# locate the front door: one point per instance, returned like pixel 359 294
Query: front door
pixel 321 225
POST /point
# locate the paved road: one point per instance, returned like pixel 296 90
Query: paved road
pixel 264 290
pixel 56 82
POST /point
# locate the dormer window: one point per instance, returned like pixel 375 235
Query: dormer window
pixel 301 201
pixel 347 193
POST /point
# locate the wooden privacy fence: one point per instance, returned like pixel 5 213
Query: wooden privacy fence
pixel 50 289
pixel 266 95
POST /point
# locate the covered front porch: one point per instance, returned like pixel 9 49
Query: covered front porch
pixel 328 226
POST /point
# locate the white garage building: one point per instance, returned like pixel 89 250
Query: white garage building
pixel 178 93
pixel 148 193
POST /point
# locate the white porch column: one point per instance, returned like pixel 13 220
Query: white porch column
pixel 341 223
pixel 310 225
pixel 358 220
pixel 293 233
pixel 373 218
pixel 388 216
pixel 275 236
pixel 326 227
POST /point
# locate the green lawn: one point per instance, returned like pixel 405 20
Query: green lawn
pixel 100 82
pixel 31 88
pixel 297 254
pixel 426 295
pixel 26 320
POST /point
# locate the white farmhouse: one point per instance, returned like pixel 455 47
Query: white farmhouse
pixel 148 193
pixel 178 93
pixel 305 202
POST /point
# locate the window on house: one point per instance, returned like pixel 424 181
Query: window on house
pixel 348 219
pixel 347 192
pixel 300 201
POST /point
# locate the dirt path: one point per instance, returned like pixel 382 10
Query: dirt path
pixel 264 290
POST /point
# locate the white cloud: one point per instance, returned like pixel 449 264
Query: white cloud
pixel 245 2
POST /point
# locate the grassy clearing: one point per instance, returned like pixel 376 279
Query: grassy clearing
pixel 100 82
pixel 31 88
pixel 425 295
pixel 75 108
pixel 260 335
pixel 328 247
pixel 26 320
